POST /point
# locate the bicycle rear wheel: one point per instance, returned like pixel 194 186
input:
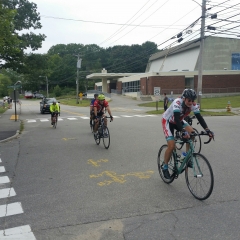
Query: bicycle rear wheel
pixel 199 178
pixel 106 137
pixel 197 142
pixel 160 162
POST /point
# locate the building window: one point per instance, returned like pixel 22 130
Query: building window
pixel 133 86
pixel 189 83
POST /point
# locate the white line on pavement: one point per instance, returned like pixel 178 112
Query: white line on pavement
pixel 7 192
pixel 23 232
pixel 10 209
pixel 72 118
pixel 2 169
pixel 4 179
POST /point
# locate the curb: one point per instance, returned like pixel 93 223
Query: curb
pixel 10 138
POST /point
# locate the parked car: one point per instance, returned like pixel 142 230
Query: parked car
pixel 46 103
pixel 38 95
pixel 28 95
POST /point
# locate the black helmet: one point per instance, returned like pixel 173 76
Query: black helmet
pixel 96 95
pixel 190 94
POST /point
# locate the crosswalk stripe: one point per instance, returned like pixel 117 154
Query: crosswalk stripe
pixel 2 169
pixel 44 120
pixel 126 116
pixel 85 117
pixel 4 179
pixel 31 120
pixel 0 160
pixel 10 209
pixel 72 118
pixel 20 233
pixel 7 192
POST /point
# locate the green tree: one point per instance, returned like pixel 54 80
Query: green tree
pixel 57 91
pixel 5 81
pixel 22 15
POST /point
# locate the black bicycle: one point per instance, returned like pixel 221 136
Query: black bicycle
pixel 197 138
pixel 55 119
pixel 103 132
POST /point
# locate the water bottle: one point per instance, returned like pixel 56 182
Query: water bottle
pixel 183 155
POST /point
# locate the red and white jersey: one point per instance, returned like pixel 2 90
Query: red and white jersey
pixel 100 107
pixel 179 106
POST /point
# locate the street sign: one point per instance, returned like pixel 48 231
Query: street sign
pixel 14 86
pixel 156 91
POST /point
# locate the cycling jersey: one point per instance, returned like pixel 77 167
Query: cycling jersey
pixel 92 102
pixel 179 106
pixel 100 107
pixel 54 108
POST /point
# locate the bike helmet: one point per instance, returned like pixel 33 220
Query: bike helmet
pixel 190 94
pixel 101 97
pixel 96 95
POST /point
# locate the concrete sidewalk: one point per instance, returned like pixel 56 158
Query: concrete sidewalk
pixel 9 128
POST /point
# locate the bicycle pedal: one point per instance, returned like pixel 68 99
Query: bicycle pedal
pixel 176 176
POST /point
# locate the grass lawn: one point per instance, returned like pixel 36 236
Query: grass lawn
pixel 2 110
pixel 207 103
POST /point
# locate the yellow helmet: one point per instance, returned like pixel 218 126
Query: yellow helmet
pixel 101 97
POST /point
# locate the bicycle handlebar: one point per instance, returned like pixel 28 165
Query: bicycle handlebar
pixel 202 133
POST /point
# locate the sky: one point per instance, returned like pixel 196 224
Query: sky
pixel 117 22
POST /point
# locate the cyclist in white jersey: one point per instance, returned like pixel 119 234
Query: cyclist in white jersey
pixel 173 118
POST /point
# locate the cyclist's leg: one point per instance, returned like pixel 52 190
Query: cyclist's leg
pixel 189 129
pixel 52 118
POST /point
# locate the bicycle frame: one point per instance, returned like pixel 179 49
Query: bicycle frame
pixel 189 155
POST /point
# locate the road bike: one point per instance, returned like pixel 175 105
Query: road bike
pixel 103 132
pixel 198 171
pixel 197 139
pixel 55 120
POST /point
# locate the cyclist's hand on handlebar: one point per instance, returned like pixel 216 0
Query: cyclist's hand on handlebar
pixel 111 118
pixel 210 133
pixel 185 134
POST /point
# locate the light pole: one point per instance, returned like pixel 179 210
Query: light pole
pixel 200 65
pixel 79 61
pixel 46 82
pixel 15 99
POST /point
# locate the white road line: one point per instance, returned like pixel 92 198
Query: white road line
pixel 85 117
pixel 31 120
pixel 116 117
pixel 7 192
pixel 4 179
pixel 0 160
pixel 12 209
pixel 139 115
pixel 72 118
pixel 2 169
pixel 126 116
pixel 60 119
pixel 20 233
pixel 44 120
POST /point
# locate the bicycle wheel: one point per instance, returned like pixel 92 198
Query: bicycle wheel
pixel 55 124
pixel 106 137
pixel 197 143
pixel 97 138
pixel 92 125
pixel 199 178
pixel 160 162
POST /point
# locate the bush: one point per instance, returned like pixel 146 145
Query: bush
pixel 57 91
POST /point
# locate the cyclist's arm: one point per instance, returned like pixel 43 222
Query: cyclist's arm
pixel 201 121
pixel 177 120
pixel 95 111
pixel 109 111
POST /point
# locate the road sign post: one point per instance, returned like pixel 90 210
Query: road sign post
pixel 157 95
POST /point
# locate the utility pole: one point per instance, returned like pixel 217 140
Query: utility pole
pixel 79 60
pixel 200 64
pixel 47 85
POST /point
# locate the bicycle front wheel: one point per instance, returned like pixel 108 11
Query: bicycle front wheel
pixel 106 137
pixel 160 162
pixel 197 143
pixel 199 178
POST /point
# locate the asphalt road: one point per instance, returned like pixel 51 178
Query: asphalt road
pixel 70 188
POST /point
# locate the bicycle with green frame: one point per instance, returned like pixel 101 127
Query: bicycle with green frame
pixel 198 171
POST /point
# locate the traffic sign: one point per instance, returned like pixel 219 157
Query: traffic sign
pixel 14 86
pixel 157 91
